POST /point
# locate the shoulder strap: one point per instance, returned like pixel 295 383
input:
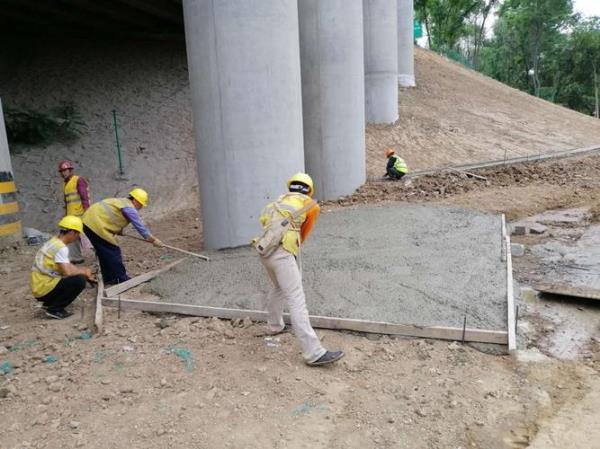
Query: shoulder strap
pixel 306 208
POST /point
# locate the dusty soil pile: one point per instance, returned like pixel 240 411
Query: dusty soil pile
pixel 579 174
pixel 456 115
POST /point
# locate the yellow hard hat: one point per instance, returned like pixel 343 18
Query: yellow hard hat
pixel 141 195
pixel 302 178
pixel 71 222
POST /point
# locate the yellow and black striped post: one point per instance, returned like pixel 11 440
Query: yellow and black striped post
pixel 10 222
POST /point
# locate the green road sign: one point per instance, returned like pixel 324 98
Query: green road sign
pixel 418 29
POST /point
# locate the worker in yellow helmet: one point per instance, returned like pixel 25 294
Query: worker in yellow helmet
pixel 77 199
pixel 54 280
pixel 302 211
pixel 106 219
pixel 396 167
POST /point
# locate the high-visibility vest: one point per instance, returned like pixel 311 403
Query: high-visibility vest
pixel 285 206
pixel 72 198
pixel 400 164
pixel 106 219
pixel 45 273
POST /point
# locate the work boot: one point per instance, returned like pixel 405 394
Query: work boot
pixel 327 358
pixel 58 314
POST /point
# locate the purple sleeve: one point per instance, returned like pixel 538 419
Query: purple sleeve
pixel 82 189
pixel 134 218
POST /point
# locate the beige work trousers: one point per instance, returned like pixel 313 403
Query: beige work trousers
pixel 287 287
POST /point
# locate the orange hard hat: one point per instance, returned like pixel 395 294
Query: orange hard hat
pixel 389 152
pixel 65 165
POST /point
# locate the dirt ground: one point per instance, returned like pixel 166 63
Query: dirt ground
pixel 168 381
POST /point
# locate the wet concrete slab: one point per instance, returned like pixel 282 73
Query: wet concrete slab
pixel 398 263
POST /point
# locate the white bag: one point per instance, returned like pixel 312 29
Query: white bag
pixel 273 234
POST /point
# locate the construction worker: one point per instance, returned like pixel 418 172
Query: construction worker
pixel 54 280
pixel 77 200
pixel 107 218
pixel 283 270
pixel 396 166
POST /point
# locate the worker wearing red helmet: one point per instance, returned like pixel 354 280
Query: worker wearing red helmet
pixel 396 167
pixel 77 200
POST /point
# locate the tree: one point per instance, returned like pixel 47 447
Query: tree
pixel 445 20
pixel 580 68
pixel 533 28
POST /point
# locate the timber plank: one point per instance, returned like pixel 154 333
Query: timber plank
pixel 134 282
pixel 437 332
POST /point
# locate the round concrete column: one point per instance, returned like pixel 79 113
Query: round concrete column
pixel 333 94
pixel 244 68
pixel 381 60
pixel 10 223
pixel 406 46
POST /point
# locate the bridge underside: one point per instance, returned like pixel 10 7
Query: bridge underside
pixel 145 19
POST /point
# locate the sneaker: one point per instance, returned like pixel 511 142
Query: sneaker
pixel 328 357
pixel 58 314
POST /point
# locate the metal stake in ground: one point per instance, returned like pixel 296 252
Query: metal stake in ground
pixel 114 113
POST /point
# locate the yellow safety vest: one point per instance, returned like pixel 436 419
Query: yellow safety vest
pixel 45 273
pixel 72 198
pixel 285 206
pixel 106 219
pixel 400 164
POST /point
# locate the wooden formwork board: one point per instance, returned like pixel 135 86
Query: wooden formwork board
pixel 510 299
pixel 410 330
pixel 135 281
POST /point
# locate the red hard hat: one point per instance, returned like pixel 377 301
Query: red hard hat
pixel 65 165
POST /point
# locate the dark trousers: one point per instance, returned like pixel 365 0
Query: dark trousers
pixel 394 174
pixel 65 292
pixel 110 257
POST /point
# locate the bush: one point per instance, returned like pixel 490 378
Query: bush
pixel 61 124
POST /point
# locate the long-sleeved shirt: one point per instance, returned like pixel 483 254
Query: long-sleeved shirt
pixel 82 189
pixel 132 216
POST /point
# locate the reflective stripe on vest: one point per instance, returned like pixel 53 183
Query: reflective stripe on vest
pixel 105 218
pixel 44 259
pixel 112 215
pixel 72 197
pixel 400 164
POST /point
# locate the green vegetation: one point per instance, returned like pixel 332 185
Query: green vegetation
pixel 60 124
pixel 538 46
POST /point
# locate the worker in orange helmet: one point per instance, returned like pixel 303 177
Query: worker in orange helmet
pixel 396 167
pixel 76 193
pixel 301 211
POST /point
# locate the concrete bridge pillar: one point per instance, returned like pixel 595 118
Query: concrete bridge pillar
pixel 381 60
pixel 406 47
pixel 244 68
pixel 333 94
pixel 10 222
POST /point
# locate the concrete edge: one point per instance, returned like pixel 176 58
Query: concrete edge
pixel 409 330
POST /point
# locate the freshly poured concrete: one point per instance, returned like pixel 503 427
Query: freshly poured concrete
pixel 405 264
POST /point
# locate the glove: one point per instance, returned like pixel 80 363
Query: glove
pixel 156 242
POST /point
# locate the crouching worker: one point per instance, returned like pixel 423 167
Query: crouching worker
pixel 107 218
pixel 54 280
pixel 278 256
pixel 396 167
